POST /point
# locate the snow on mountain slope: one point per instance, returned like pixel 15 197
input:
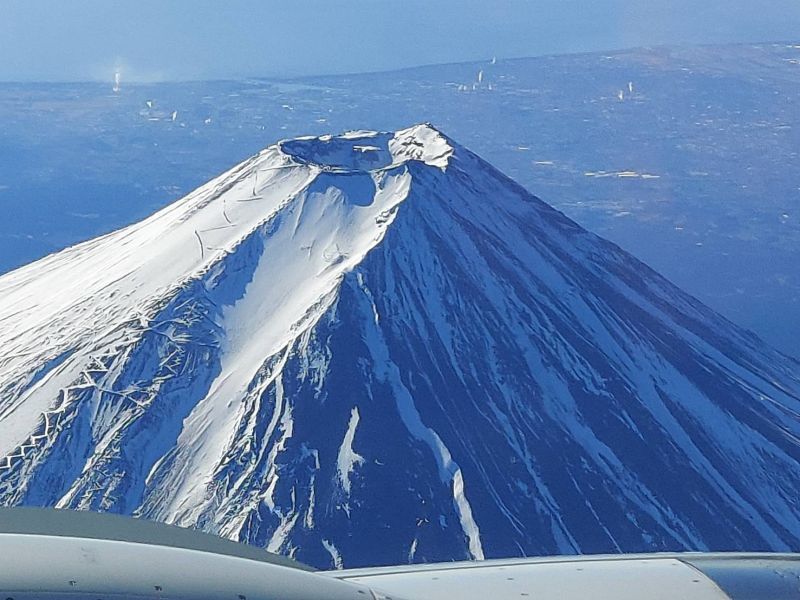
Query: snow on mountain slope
pixel 375 348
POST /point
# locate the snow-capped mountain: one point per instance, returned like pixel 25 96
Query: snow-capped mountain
pixel 376 348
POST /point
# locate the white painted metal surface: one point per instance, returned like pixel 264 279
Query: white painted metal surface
pixel 62 555
pixel 580 579
pixel 40 566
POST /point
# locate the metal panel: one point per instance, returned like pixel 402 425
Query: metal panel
pixel 35 567
pixel 104 526
pixel 604 579
pixel 760 578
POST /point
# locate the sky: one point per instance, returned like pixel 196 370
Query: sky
pixel 161 40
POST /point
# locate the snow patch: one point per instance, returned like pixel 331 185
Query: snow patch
pixel 348 459
pixel 336 556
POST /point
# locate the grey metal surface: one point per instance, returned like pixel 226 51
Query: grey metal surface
pixel 544 560
pixel 56 554
pixel 104 526
pixel 39 566
pixel 758 578
pixel 641 579
pixel 687 576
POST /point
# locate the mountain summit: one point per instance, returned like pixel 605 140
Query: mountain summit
pixel 376 348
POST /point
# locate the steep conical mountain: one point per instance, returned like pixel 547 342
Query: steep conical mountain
pixel 376 348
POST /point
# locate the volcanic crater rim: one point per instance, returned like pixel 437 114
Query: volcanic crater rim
pixel 366 151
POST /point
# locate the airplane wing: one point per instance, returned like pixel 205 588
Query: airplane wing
pixel 71 555
pixel 685 576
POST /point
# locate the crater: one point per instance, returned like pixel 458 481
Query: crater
pixel 364 151
pixel 349 152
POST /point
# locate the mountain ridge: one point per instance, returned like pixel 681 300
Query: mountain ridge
pixel 404 357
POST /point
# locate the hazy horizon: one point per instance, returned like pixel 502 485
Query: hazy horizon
pixel 148 41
